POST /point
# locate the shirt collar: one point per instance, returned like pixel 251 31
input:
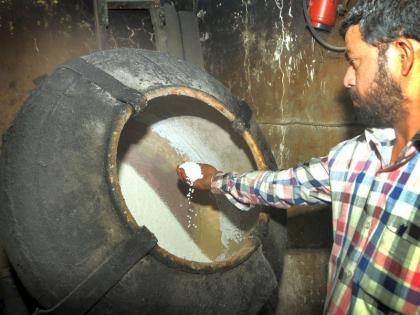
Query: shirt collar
pixel 380 137
pixel 382 140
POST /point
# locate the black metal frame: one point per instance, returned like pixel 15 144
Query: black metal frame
pixel 176 33
pixel 101 8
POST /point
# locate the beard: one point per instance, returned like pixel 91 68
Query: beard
pixel 383 105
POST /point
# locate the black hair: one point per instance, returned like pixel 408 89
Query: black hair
pixel 383 21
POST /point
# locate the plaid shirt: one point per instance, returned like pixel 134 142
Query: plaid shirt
pixel 374 266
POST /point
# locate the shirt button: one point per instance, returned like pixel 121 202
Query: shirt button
pixel 367 224
pixel 348 274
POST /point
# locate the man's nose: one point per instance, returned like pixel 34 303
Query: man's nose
pixel 349 78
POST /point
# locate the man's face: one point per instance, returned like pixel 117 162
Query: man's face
pixel 377 98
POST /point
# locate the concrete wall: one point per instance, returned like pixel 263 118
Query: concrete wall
pixel 263 52
pixel 259 49
pixel 38 35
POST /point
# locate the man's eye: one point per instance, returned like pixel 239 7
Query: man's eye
pixel 353 63
pixel 350 61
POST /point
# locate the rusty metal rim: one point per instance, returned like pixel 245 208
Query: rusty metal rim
pixel 112 168
pixel 216 104
pixel 161 254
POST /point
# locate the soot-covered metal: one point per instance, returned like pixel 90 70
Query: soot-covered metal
pixel 67 212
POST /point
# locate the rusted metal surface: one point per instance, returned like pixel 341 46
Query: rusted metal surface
pixel 256 151
pixel 155 157
pixel 160 253
pixel 213 102
pixel 187 91
pixel 112 169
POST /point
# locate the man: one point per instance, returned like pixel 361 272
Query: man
pixel 372 181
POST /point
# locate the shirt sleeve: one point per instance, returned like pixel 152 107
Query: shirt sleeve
pixel 305 184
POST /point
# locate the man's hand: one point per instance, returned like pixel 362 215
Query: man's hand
pixel 203 183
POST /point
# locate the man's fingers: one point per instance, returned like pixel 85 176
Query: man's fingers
pixel 201 176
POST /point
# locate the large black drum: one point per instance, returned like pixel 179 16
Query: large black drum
pixel 93 217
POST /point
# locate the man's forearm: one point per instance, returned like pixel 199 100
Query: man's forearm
pixel 282 189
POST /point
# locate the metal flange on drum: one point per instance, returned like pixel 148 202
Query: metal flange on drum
pixel 93 217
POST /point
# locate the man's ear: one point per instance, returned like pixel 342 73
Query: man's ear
pixel 407 54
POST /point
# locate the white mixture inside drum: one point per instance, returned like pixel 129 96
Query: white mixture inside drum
pixel 187 228
pixel 152 211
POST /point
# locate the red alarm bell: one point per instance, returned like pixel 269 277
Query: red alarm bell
pixel 323 13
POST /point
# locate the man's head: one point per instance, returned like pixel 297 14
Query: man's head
pixel 382 40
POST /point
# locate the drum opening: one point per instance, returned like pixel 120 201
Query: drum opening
pixel 195 226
